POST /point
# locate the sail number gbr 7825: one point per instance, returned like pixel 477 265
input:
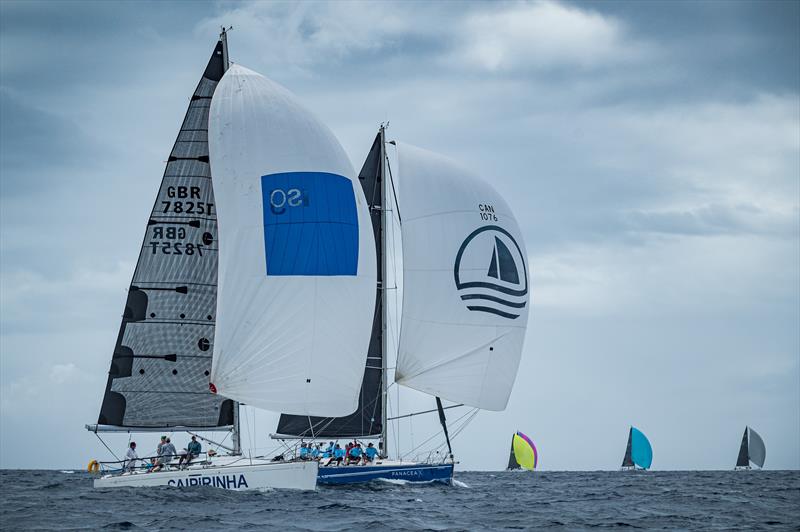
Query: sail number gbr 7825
pixel 182 201
pixel 174 248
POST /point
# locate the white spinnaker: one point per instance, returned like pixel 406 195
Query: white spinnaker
pixel 465 283
pixel 293 327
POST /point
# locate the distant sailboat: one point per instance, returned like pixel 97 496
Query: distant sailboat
pixel 751 450
pixel 638 453
pixel 523 454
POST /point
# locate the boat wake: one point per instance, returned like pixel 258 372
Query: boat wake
pixel 459 484
pixel 395 481
pixel 67 472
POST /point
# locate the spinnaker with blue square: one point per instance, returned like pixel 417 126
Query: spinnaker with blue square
pixel 310 224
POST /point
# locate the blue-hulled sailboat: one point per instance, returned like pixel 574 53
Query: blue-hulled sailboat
pixel 464 313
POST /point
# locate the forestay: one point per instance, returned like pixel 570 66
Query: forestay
pixel 297 266
pixel 465 284
pixel 159 371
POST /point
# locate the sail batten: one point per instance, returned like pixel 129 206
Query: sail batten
pixel 162 353
pixel 465 284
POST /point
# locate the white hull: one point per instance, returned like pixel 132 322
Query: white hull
pixel 240 476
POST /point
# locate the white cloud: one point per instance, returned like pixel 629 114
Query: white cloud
pixel 542 34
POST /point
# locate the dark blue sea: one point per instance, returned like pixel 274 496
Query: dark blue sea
pixel 54 500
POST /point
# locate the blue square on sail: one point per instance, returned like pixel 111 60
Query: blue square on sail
pixel 310 224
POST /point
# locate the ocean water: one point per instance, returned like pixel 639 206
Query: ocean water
pixel 62 500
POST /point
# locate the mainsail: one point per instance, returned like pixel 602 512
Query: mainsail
pixel 465 284
pixel 627 460
pixel 743 460
pixel 512 460
pixel 161 362
pixel 297 260
pixel 367 420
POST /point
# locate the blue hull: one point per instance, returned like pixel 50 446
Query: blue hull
pixel 411 472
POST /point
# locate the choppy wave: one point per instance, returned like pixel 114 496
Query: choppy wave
pixel 54 500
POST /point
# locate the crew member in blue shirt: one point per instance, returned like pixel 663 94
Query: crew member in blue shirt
pixel 303 451
pixel 355 455
pixel 315 452
pixel 338 454
pixel 370 453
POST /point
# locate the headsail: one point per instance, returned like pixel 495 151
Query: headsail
pixel 297 258
pixel 757 450
pixel 159 370
pixel 367 420
pixel 641 451
pixel 465 284
pixel 743 459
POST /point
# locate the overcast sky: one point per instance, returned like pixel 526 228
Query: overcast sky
pixel 650 150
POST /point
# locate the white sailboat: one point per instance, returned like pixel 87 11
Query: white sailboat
pixel 464 307
pixel 244 292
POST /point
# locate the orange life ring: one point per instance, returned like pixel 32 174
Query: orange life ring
pixel 93 467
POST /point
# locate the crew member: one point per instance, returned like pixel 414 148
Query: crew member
pixel 338 454
pixel 193 450
pixel 354 456
pixel 131 457
pixel 370 453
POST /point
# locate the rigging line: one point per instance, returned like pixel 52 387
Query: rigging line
pixel 425 411
pixel 435 434
pixel 106 446
pixel 394 193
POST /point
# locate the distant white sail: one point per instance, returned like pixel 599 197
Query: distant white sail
pixel 297 267
pixel 465 284
pixel 757 449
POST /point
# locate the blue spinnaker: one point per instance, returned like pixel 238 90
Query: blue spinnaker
pixel 641 451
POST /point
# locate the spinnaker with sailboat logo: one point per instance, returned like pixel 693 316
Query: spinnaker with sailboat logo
pixel 464 310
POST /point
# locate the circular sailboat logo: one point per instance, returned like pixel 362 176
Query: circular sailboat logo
pixel 490 273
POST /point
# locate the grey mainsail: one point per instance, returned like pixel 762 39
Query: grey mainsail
pixel 627 460
pixel 512 459
pixel 162 358
pixel 367 420
pixel 742 460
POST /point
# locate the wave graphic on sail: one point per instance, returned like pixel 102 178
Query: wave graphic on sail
pixel 502 288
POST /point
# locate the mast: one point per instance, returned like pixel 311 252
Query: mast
pixel 384 306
